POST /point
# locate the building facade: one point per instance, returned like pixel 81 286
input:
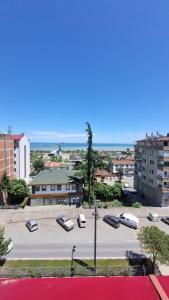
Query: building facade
pixel 55 186
pixel 6 155
pixel 126 165
pixel 21 157
pixel 151 175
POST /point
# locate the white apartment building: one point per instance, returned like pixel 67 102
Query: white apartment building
pixel 21 156
pixel 127 166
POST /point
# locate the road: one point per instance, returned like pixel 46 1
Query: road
pixel 52 241
pixel 63 250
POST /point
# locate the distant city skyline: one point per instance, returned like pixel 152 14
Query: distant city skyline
pixel 67 62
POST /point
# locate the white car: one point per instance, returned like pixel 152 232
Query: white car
pixel 32 225
pixel 10 246
pixel 65 221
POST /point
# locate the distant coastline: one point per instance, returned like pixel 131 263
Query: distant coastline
pixel 81 146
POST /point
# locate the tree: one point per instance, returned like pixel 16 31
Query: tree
pixel 4 186
pixel 18 190
pixel 154 242
pixel 3 243
pixel 90 177
pixel 120 174
pixel 117 190
pixel 38 165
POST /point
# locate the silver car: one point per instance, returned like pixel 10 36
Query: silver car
pixel 65 221
pixel 32 225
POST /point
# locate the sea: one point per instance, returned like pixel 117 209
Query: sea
pixel 81 146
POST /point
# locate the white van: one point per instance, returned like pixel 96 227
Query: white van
pixel 129 220
pixel 81 220
pixel 153 217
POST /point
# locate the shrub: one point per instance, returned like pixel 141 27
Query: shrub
pixel 105 205
pixel 116 203
pixel 99 205
pixel 86 205
pixel 136 204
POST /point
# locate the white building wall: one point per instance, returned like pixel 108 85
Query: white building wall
pixel 22 159
pixel 49 191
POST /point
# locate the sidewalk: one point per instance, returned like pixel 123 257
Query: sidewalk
pixel 51 212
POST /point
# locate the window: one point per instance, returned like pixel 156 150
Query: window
pixel 151 152
pixel 43 188
pixel 37 188
pixel 67 186
pixel 151 180
pixel 14 154
pixel 165 182
pixel 73 186
pixel 151 162
pixel 52 187
pixel 14 162
pixel 59 187
pixel 165 173
pixel 14 169
pixel 165 143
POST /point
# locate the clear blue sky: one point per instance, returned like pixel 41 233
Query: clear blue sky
pixel 65 62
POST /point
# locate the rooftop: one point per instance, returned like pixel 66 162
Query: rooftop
pixel 102 288
pixel 122 162
pixel 54 176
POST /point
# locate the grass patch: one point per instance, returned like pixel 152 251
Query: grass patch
pixel 62 263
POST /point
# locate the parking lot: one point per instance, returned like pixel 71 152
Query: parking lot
pixel 52 241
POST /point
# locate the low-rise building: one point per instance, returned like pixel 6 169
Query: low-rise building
pixel 55 186
pixel 103 176
pixel 126 165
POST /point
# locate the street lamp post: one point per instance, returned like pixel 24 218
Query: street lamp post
pixel 72 261
pixel 95 232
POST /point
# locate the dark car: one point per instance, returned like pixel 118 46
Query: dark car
pixel 112 220
pixel 165 220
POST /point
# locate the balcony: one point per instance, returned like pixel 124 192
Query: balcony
pixel 161 177
pixel 163 187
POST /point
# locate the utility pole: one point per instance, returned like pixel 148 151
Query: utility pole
pixel 95 233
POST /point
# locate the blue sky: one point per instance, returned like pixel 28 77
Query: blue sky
pixel 65 62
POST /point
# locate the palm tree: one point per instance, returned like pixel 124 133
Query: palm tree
pixel 90 163
pixel 4 185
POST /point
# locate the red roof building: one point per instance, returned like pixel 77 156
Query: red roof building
pixel 88 288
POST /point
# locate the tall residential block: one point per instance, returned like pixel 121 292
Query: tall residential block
pixel 6 155
pixel 151 175
pixel 21 156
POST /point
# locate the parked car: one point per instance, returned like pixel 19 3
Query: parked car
pixel 112 220
pixel 165 220
pixel 81 220
pixel 153 217
pixel 65 221
pixel 10 246
pixel 129 220
pixel 32 225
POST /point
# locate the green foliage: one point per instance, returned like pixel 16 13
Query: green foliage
pixel 55 158
pixel 117 190
pixel 18 190
pixel 116 203
pixel 90 176
pixel 38 165
pixel 4 185
pixel 86 205
pixel 154 242
pixel 106 192
pixel 3 243
pixel 136 204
